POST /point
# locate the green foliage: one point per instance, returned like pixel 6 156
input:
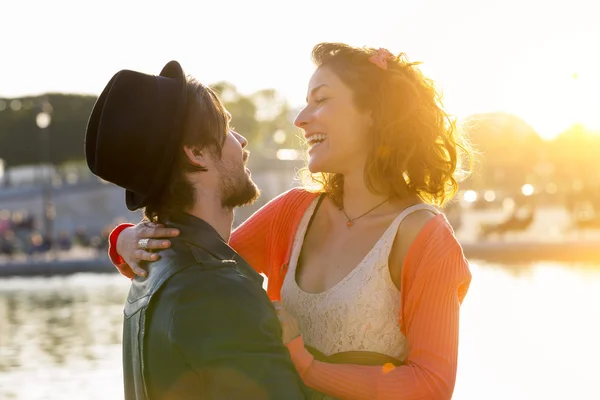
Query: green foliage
pixel 259 116
pixel 22 142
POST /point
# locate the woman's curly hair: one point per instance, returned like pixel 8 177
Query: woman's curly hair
pixel 416 147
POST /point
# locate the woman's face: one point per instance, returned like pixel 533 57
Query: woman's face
pixel 335 129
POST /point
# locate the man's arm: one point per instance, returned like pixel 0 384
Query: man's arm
pixel 226 329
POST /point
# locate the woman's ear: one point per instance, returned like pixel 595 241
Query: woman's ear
pixel 196 156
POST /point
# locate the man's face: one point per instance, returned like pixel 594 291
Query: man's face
pixel 235 185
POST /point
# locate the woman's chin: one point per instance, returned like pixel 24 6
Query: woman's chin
pixel 315 166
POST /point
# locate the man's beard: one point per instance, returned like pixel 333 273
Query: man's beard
pixel 236 187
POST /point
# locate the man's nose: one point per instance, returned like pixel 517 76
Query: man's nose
pixel 243 141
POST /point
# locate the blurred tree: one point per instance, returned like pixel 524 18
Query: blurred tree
pixel 510 150
pixel 513 154
pixel 264 117
pixel 21 140
pixel 242 109
pixel 575 155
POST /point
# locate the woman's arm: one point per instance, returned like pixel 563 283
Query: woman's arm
pixel 251 239
pixel 432 294
pixel 265 234
pixel 269 230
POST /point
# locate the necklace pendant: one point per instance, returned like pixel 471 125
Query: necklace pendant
pixel 349 224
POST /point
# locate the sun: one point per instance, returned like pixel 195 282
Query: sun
pixel 555 87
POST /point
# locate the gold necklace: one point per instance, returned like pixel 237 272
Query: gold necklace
pixel 350 222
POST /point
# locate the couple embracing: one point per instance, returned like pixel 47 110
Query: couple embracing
pixel 365 275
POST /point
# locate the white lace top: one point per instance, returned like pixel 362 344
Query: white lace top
pixel 361 312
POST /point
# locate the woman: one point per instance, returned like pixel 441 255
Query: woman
pixel 369 273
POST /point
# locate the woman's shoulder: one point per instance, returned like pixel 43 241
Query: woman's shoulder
pixel 423 234
pixel 424 225
pixel 427 232
pixel 436 247
pixel 422 222
pixel 416 229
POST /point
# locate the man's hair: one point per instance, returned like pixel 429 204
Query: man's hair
pixel 206 126
pixel 416 146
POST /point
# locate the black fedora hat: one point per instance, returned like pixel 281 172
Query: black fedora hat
pixel 135 129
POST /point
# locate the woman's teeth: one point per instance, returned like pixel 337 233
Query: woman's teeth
pixel 316 139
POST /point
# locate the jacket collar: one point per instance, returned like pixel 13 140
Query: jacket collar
pixel 200 233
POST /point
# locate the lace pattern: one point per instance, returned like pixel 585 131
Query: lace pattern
pixel 361 312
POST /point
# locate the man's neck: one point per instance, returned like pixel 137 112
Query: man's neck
pixel 208 208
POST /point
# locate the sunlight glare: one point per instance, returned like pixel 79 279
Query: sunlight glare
pixel 279 136
pixel 470 196
pixel 558 86
pixel 287 154
pixel 489 195
pixel 527 189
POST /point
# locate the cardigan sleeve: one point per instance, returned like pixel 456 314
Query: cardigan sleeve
pixel 436 280
pixel 250 239
pixel 264 239
pixel 115 258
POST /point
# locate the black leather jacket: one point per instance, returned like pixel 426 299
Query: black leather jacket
pixel 200 326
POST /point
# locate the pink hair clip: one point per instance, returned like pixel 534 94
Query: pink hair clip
pixel 381 58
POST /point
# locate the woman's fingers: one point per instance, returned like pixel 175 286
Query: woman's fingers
pixel 137 269
pixel 136 245
pixel 153 244
pixel 143 255
pixel 153 231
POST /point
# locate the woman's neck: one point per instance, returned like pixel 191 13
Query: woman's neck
pixel 357 198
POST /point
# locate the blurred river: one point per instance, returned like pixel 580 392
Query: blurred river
pixel 527 332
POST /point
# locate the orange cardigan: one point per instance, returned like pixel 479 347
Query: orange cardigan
pixel 435 279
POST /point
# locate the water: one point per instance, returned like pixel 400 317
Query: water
pixel 527 332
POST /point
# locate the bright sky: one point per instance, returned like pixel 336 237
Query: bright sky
pixel 537 59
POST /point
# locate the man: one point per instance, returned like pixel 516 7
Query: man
pixel 199 326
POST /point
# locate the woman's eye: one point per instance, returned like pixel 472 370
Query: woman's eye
pixel 319 101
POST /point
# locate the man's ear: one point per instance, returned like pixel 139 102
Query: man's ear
pixel 197 156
